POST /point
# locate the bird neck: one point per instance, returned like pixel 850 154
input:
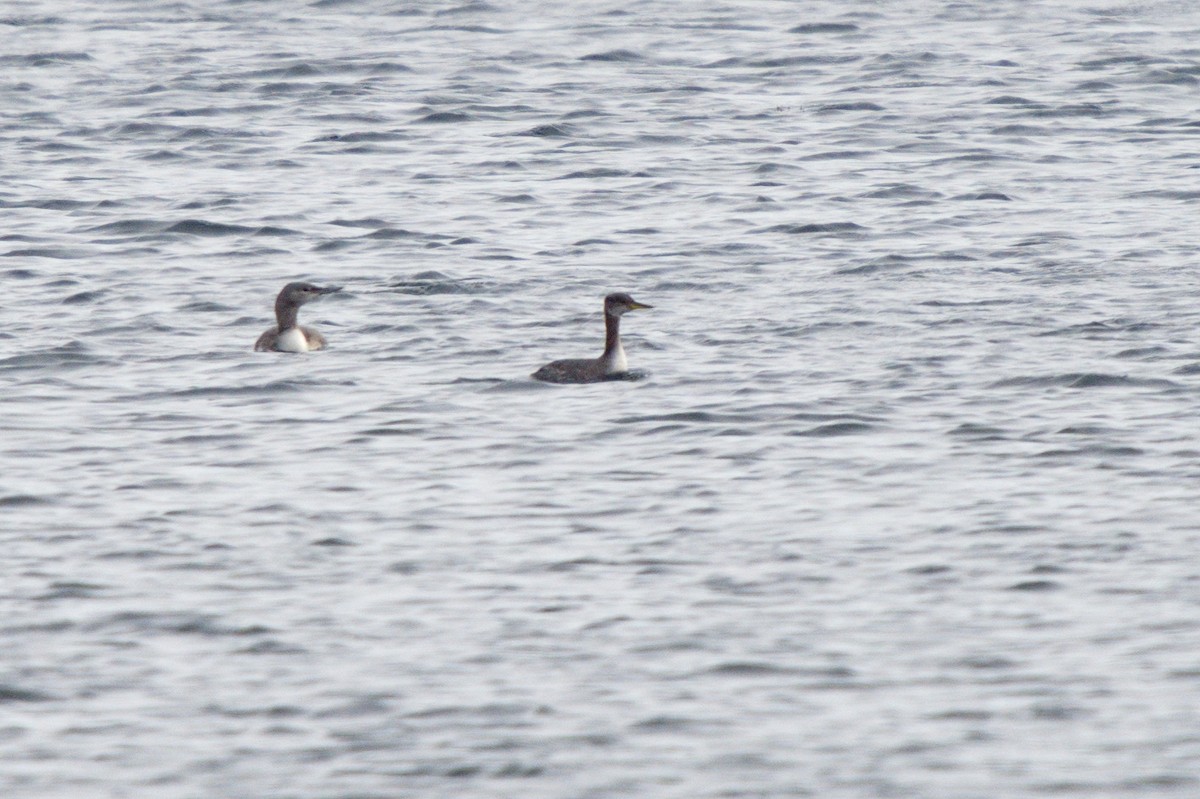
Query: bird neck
pixel 612 333
pixel 285 314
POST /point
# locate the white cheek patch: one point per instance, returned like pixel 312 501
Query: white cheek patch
pixel 291 340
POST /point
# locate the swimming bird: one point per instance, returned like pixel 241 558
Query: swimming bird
pixel 612 364
pixel 287 335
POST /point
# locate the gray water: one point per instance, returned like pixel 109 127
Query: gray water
pixel 903 504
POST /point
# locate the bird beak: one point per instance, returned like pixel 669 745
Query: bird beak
pixel 637 306
pixel 331 289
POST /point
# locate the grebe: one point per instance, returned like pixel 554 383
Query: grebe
pixel 612 364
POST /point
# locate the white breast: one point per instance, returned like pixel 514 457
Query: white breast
pixel 291 340
pixel 617 363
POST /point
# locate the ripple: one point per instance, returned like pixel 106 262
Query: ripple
pixel 825 27
pixel 835 429
pixel 270 388
pixel 830 228
pixel 178 623
pixel 898 191
pixel 1084 380
pixel 366 222
pixel 45 59
pixel 550 131
pixel 1036 586
pixel 22 501
pixel 427 283
pixel 11 693
pixel 59 253
pixel 598 172
pixel 619 56
pixel 925 358
pixel 750 669
pixel 982 195
pixel 389 233
pixel 366 136
pixel 84 297
pixel 70 355
pixel 201 227
pixel 834 108
pixel 444 118
pixel 1095 449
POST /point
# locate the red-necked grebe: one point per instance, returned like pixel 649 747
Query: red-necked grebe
pixel 612 364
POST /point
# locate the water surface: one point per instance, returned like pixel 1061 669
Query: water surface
pixel 903 505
